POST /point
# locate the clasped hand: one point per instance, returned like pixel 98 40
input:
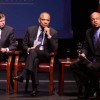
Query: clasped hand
pixel 81 55
pixel 3 50
pixel 47 31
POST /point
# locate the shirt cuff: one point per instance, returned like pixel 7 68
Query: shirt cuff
pixel 49 37
pixel 28 50
pixel 7 49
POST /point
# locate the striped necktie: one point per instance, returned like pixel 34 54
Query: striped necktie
pixel 40 38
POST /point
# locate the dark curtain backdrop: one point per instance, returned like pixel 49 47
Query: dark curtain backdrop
pixel 81 10
pixel 21 14
pixel 67 19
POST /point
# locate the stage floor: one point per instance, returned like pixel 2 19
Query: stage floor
pixel 70 89
pixel 70 92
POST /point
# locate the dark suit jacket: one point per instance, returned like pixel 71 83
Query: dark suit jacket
pixel 88 47
pixel 7 38
pixel 49 44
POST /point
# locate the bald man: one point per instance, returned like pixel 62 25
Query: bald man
pixel 39 41
pixel 86 68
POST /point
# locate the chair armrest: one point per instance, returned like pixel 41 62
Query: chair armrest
pixel 53 53
pixel 17 52
pixel 52 60
pixel 10 53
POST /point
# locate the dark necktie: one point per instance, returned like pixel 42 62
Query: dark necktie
pixel 96 37
pixel 40 38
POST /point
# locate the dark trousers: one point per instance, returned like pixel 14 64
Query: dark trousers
pixel 33 59
pixel 3 56
pixel 86 77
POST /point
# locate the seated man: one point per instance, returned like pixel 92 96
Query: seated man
pixel 39 41
pixel 7 38
pixel 86 68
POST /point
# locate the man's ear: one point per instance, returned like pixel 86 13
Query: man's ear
pixel 39 20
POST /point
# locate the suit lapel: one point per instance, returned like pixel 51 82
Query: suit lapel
pixel 91 38
pixel 33 34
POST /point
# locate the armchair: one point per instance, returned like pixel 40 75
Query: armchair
pixel 43 67
pixel 7 65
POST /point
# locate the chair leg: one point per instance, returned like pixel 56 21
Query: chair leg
pixel 51 85
pixel 8 79
pixel 15 87
pixel 11 79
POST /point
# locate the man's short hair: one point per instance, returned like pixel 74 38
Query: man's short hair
pixel 2 15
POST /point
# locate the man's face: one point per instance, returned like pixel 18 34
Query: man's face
pixel 95 20
pixel 44 20
pixel 2 22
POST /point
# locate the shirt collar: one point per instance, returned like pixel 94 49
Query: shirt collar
pixel 40 28
pixel 98 31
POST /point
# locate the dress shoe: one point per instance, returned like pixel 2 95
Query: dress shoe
pixel 34 92
pixel 87 97
pixel 19 79
pixel 97 94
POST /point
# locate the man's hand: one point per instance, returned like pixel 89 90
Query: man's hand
pixel 30 49
pixel 3 50
pixel 82 55
pixel 47 32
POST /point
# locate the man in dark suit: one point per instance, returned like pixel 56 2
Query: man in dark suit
pixel 86 68
pixel 7 38
pixel 39 41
